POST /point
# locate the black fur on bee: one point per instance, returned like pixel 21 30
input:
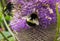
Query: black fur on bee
pixel 9 8
pixel 33 16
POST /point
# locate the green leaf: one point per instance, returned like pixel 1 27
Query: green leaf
pixel 6 34
pixel 1 37
pixel 11 39
pixel 7 17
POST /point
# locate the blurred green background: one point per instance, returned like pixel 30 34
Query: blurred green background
pixel 5 35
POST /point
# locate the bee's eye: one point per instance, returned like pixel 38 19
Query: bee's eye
pixel 33 16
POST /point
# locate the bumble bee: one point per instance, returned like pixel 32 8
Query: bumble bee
pixel 8 8
pixel 33 20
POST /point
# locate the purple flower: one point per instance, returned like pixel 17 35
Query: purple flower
pixel 45 11
pixel 56 2
pixel 18 24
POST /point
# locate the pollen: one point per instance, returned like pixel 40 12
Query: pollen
pixel 50 10
pixel 49 18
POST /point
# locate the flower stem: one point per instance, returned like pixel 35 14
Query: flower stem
pixel 7 26
pixel 58 23
pixel 5 20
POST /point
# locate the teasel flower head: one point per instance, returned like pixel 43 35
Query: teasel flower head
pixel 31 13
